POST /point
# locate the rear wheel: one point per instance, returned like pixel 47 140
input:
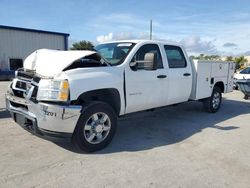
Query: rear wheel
pixel 96 127
pixel 246 96
pixel 212 104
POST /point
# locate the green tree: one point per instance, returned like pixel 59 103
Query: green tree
pixel 82 45
pixel 200 57
pixel 192 57
pixel 240 61
pixel 229 58
pixel 207 57
pixel 215 57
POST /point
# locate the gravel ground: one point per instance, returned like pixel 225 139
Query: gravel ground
pixel 179 146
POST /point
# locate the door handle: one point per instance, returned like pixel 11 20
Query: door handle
pixel 162 76
pixel 186 74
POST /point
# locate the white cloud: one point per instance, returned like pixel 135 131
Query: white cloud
pixel 195 44
pixel 247 53
pixel 121 36
pixel 105 38
pixel 198 36
pixel 116 21
pixel 229 44
pixel 121 25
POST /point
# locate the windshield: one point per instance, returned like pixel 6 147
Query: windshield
pixel 245 71
pixel 114 53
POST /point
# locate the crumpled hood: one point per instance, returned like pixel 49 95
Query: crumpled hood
pixel 48 63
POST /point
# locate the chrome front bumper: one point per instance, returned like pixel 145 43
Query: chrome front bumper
pixel 42 117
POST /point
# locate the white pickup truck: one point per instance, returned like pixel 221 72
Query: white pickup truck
pixel 80 94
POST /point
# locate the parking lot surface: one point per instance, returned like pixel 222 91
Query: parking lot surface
pixel 177 146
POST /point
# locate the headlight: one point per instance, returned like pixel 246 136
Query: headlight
pixel 53 90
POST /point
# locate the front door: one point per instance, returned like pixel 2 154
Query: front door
pixel 146 89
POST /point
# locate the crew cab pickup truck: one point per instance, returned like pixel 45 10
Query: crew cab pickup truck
pixel 80 94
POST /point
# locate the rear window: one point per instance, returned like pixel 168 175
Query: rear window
pixel 175 56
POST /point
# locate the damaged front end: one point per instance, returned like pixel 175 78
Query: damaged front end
pixel 39 117
pixel 39 96
pixel 49 63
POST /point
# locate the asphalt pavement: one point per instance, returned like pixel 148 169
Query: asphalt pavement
pixel 177 146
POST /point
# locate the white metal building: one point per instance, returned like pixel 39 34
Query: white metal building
pixel 17 43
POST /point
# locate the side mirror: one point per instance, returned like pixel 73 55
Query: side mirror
pixel 133 65
pixel 150 62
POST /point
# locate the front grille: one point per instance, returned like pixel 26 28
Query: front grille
pixel 34 94
pixel 21 85
pixel 18 93
pixel 36 79
pixel 25 75
pixel 18 105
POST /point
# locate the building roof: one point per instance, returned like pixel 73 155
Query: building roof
pixel 32 30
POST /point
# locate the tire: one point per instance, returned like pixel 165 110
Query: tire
pixel 236 87
pixel 212 104
pixel 246 97
pixel 95 127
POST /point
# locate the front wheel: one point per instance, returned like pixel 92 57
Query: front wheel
pixel 96 127
pixel 212 104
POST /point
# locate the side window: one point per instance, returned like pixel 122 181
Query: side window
pixel 149 48
pixel 175 56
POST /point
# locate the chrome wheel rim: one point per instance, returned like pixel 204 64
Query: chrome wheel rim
pixel 97 128
pixel 216 100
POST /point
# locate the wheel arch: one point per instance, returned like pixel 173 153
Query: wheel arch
pixel 107 95
pixel 220 85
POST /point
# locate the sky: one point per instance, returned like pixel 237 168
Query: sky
pixel 203 26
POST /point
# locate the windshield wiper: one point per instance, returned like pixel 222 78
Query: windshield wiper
pixel 104 61
pixel 101 61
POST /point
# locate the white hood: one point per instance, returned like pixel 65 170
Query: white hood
pixel 48 63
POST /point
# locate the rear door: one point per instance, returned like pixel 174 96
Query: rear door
pixel 179 75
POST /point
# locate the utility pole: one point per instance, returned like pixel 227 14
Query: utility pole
pixel 151 29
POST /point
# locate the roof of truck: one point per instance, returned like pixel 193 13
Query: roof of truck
pixel 141 40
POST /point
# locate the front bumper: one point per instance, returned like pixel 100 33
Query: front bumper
pixel 43 118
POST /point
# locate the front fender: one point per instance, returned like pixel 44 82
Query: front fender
pixel 89 79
